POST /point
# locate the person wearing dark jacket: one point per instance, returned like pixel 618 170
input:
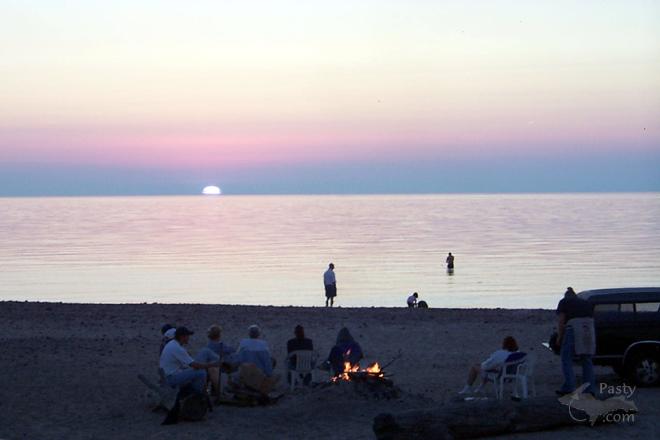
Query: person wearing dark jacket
pixel 345 350
pixel 299 343
pixel 574 327
pixel 450 262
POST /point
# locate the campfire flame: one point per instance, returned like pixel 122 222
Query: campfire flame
pixel 373 369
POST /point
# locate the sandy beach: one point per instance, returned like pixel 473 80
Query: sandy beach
pixel 70 370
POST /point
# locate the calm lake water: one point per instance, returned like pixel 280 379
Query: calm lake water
pixel 511 250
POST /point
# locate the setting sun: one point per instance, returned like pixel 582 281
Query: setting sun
pixel 211 190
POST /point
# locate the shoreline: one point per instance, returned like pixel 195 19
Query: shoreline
pixel 73 368
pixel 65 303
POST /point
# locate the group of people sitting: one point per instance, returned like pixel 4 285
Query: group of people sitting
pixel 250 365
pixel 253 362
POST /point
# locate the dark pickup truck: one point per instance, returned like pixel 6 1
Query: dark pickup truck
pixel 627 325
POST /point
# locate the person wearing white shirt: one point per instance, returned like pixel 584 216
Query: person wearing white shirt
pixel 412 300
pixel 330 283
pixel 180 369
pixel 493 363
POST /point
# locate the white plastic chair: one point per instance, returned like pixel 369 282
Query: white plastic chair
pixel 525 376
pixel 302 368
pixel 520 373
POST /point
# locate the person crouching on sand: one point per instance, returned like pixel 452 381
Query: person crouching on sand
pixel 490 365
pixel 330 283
pixel 412 300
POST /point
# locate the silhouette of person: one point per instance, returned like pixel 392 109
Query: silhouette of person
pixel 450 262
pixel 576 337
pixel 330 283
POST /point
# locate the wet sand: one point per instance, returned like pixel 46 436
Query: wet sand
pixel 70 370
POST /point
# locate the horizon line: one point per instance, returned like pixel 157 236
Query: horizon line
pixel 347 194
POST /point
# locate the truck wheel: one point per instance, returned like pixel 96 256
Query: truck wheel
pixel 644 368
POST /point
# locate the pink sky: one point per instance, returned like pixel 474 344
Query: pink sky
pixel 163 85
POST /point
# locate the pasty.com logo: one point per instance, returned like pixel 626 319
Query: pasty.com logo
pixel 616 409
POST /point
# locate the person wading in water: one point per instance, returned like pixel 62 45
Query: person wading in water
pixel 450 262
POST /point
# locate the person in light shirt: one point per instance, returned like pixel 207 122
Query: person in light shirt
pixel 330 283
pixel 216 352
pixel 255 364
pixel 492 364
pixel 254 350
pixel 179 368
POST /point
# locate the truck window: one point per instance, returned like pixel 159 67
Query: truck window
pixel 629 307
pixel 599 308
pixel 648 307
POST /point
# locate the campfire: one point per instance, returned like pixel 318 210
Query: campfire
pixel 370 382
pixel 354 372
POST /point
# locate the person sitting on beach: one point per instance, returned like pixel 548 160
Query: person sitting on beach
pixel 167 334
pixel 214 333
pixel 179 368
pixel 412 300
pixel 492 364
pixel 255 364
pixel 254 350
pixel 345 350
pixel 216 352
pixel 299 343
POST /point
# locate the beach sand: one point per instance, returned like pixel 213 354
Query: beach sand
pixel 69 371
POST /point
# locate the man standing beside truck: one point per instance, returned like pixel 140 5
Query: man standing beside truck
pixel 576 336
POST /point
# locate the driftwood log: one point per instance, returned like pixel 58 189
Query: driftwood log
pixel 473 419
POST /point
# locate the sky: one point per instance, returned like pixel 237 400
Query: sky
pixel 165 97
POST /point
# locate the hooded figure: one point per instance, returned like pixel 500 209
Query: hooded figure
pixel 345 350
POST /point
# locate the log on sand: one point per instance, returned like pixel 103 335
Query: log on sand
pixel 473 419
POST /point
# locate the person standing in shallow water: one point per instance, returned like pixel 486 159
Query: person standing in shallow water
pixel 330 283
pixel 450 262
